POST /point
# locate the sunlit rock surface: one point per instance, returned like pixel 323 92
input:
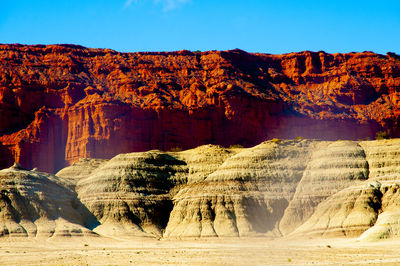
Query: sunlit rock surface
pixel 35 204
pixel 291 188
pixel 79 170
pixel 129 194
pixel 66 102
pixel 245 196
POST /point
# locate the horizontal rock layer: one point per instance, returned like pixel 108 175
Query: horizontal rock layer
pixel 60 103
pixel 278 188
pixel 35 204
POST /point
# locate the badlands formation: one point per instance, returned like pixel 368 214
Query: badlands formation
pixel 279 188
pixel 92 124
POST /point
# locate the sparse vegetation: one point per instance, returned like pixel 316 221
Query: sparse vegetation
pixel 381 135
pixel 299 138
pixel 236 146
pixel 175 149
pixel 275 140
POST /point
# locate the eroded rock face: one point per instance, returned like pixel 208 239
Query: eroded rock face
pixel 278 188
pixel 245 196
pixel 368 209
pixel 60 103
pixel 35 204
pixel 348 213
pixel 129 194
pixel 333 167
pixel 80 170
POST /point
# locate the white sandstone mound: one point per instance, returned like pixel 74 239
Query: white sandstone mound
pixel 370 209
pixel 305 188
pixel 81 169
pixel 130 193
pixel 332 168
pixel 384 161
pixel 383 157
pixel 245 196
pixel 34 204
pixel 347 213
pixel 204 160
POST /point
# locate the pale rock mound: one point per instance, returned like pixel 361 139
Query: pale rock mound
pixel 34 204
pixel 130 193
pixel 384 160
pixel 347 213
pixel 81 169
pixel 245 196
pixel 332 168
pixel 204 160
pixel 383 157
pixel 370 209
pixel 297 188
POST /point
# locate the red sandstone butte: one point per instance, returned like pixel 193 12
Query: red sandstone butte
pixel 59 103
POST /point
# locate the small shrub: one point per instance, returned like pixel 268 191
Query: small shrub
pixel 275 140
pixel 236 146
pixel 175 149
pixel 381 135
pixel 299 138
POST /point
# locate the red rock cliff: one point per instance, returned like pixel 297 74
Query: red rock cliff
pixel 62 102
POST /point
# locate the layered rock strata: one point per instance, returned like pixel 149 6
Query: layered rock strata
pixel 129 194
pixel 333 167
pixel 35 204
pixel 60 103
pixel 79 170
pixel 278 188
pixel 245 196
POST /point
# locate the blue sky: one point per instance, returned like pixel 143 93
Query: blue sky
pixel 168 25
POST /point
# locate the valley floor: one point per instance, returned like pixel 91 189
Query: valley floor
pixel 251 251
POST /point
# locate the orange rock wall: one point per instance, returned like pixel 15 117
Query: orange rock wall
pixel 59 103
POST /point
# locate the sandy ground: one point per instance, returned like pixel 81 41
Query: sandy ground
pixel 258 251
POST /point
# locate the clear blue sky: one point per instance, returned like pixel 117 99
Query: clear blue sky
pixel 167 25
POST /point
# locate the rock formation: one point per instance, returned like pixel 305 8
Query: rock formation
pixel 60 103
pixel 34 204
pixel 369 208
pixel 244 196
pixel 129 194
pixel 79 170
pixel 296 188
pixel 331 169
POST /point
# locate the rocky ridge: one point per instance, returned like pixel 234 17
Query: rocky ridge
pixel 278 188
pixel 60 103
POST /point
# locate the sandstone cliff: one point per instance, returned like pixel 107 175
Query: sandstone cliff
pixel 60 103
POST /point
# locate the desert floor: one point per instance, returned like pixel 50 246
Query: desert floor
pixel 255 251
